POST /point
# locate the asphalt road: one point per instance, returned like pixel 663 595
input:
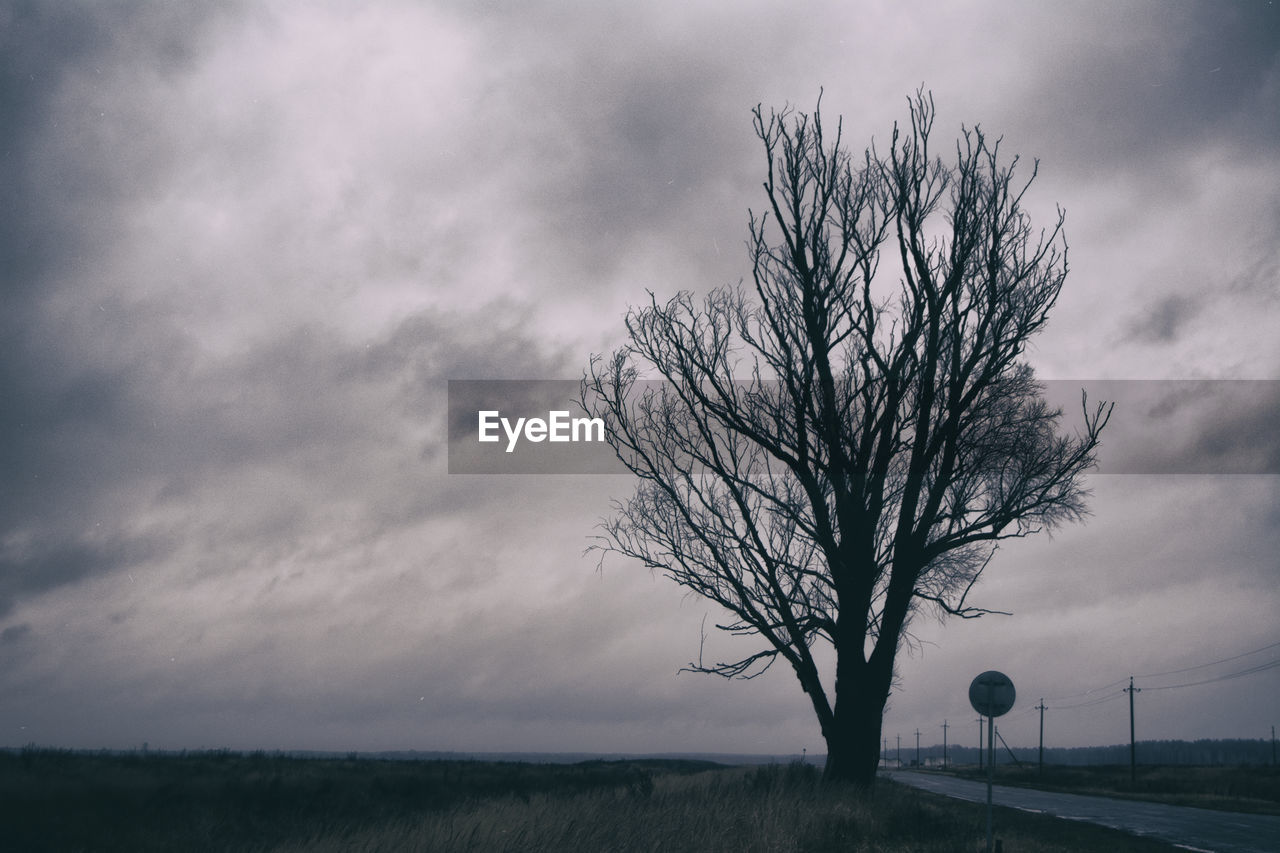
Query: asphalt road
pixel 1195 829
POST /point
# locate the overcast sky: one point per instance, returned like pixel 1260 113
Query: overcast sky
pixel 246 246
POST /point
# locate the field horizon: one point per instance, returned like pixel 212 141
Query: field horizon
pixel 1200 752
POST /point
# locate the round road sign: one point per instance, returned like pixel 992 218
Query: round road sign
pixel 991 694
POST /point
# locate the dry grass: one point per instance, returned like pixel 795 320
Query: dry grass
pixel 741 810
pixel 272 804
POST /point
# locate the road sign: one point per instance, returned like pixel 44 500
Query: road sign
pixel 991 694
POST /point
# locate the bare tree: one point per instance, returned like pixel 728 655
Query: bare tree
pixel 823 455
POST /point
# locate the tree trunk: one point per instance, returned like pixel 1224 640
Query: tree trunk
pixel 853 741
pixel 853 751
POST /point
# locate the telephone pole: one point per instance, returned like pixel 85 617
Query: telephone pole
pixel 1273 745
pixel 1133 749
pixel 917 748
pixel 1040 707
pixel 944 744
pixel 899 752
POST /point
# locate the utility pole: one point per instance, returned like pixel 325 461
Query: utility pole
pixel 979 743
pixel 886 753
pixel 1273 745
pixel 1133 749
pixel 899 752
pixel 917 748
pixel 991 766
pixel 944 744
pixel 1041 709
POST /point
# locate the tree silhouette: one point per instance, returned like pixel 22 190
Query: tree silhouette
pixel 823 454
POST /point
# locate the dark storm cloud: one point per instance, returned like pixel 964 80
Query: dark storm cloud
pixel 113 409
pixel 60 565
pixel 69 428
pixel 43 46
pixel 1165 319
pixel 656 133
pixel 1140 86
pixel 303 404
pixel 40 45
pixel 1210 426
pixel 76 441
pixel 1238 429
pixel 1232 62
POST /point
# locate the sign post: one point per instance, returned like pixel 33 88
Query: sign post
pixel 991 694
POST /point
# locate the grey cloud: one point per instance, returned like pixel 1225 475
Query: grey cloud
pixel 646 139
pixel 36 570
pixel 114 408
pixel 91 449
pixel 47 48
pixel 68 414
pixel 1164 319
pixel 1135 89
pixel 1208 426
pixel 1260 278
pixel 229 327
pixel 1239 429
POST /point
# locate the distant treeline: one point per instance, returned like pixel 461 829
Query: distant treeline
pixel 1202 752
pixel 1207 752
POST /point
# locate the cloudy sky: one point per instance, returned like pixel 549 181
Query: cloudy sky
pixel 245 247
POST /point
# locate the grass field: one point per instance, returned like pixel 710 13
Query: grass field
pixel 57 800
pixel 1251 788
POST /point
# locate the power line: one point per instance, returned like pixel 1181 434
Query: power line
pixel 1025 712
pixel 1116 694
pixel 1250 671
pixel 1087 692
pixel 1211 663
